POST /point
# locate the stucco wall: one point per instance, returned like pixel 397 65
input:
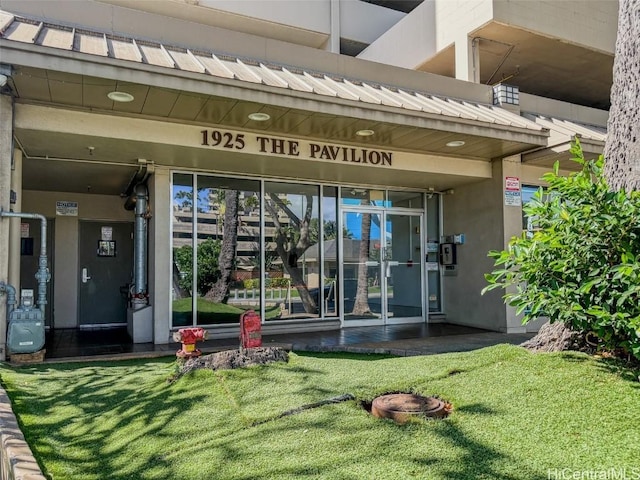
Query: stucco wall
pixel 6 150
pixel 580 22
pixel 431 27
pixel 160 254
pixel 564 110
pixel 305 14
pixel 364 22
pixel 476 211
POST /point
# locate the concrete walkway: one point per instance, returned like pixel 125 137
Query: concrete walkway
pixel 399 340
pixel 425 346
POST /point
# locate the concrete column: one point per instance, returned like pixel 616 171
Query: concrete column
pixel 467 59
pixel 512 218
pixel 160 274
pixel 334 38
pixel 6 151
pixel 14 239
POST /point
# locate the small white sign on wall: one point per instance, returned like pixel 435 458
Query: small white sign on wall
pixel 512 199
pixel 511 183
pixel 106 233
pixel 67 209
pixel 24 230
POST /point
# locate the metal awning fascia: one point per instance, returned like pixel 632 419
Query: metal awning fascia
pixel 562 133
pixel 35 56
pixel 589 147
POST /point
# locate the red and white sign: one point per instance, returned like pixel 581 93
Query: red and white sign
pixel 512 184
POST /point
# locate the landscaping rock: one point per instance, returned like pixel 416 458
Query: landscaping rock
pixel 230 359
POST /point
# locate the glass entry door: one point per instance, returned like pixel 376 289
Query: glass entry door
pixel 382 267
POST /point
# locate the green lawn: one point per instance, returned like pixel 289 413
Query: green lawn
pixel 516 416
pixel 210 313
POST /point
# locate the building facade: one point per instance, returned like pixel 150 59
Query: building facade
pixel 326 163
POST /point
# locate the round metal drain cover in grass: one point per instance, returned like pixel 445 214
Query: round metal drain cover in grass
pixel 402 406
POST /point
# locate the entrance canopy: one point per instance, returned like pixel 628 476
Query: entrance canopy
pixel 66 124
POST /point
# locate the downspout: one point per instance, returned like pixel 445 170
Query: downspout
pixel 139 201
pixel 42 275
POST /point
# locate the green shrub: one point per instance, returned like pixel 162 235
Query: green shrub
pixel 208 271
pixel 581 265
pixel 280 282
pixel 252 283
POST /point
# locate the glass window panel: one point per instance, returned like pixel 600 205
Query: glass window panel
pixel 228 253
pixel 182 250
pixel 292 257
pixel 528 223
pixel 403 265
pixel 405 199
pixel 362 245
pixel 331 254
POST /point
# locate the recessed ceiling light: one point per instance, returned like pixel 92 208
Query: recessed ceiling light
pixel 122 97
pixel 455 143
pixel 259 116
pixel 365 133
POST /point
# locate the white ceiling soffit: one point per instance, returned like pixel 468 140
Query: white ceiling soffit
pixel 20 29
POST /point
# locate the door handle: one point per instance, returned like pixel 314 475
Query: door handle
pixel 85 275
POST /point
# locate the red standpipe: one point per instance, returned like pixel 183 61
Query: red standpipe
pixel 188 337
pixel 250 330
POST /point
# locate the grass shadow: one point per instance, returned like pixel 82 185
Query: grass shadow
pixel 54 438
pixel 366 357
pixel 626 370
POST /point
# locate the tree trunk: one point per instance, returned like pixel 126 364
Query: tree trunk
pixel 558 337
pixel 180 292
pixel 289 251
pixel 297 280
pixel 220 291
pixel 361 305
pixel 622 147
pixel 289 257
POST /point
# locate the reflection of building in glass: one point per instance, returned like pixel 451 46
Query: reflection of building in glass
pixel 211 225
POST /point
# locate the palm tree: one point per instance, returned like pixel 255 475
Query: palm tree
pixel 219 292
pixel 622 148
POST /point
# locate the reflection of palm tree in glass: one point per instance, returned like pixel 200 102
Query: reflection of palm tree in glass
pixel 250 203
pixel 220 290
pixel 361 304
pixel 330 229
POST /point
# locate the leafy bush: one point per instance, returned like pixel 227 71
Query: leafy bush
pixel 208 271
pixel 581 265
pixel 279 282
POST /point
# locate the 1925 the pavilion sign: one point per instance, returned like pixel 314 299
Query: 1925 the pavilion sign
pixel 254 143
